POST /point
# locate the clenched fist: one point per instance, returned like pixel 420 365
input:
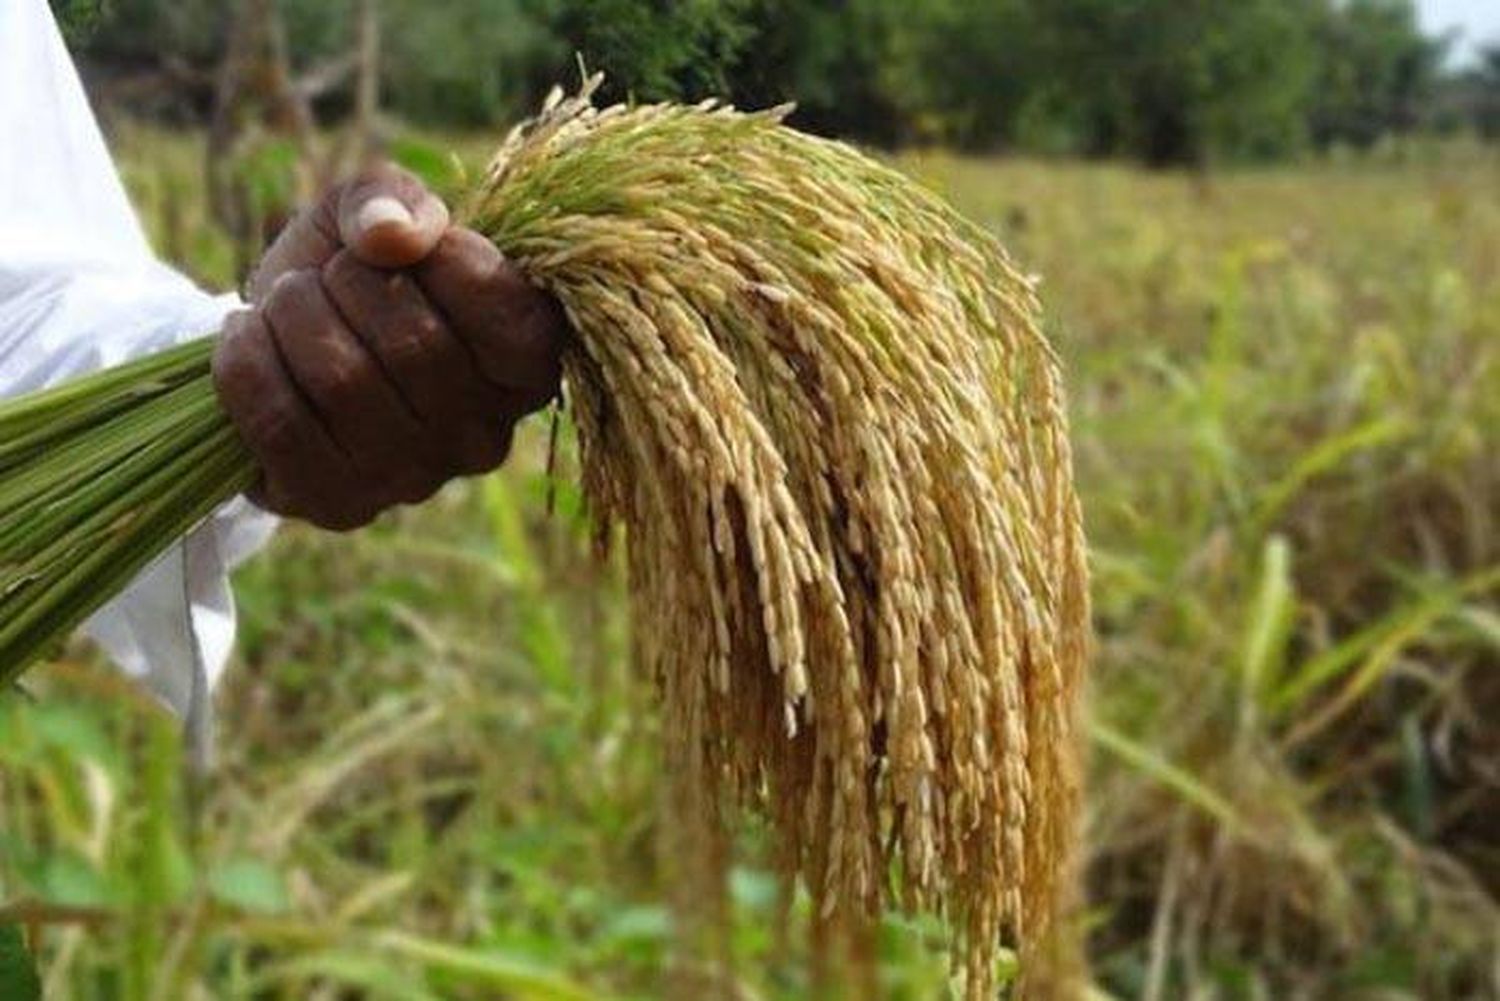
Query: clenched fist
pixel 384 352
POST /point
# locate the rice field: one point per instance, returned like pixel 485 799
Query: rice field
pixel 437 778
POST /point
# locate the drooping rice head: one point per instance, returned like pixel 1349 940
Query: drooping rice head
pixel 819 403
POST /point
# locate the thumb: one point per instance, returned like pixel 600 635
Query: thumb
pixel 388 219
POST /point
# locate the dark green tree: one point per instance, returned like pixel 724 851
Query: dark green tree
pixel 655 49
pixel 78 18
pixel 481 62
pixel 1377 71
pixel 993 81
pixel 1487 93
pixel 1183 81
pixel 831 59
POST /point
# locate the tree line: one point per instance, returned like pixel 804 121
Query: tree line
pixel 1162 81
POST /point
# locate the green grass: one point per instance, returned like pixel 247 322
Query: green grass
pixel 437 779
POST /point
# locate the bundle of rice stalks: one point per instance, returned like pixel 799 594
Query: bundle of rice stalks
pixel 819 405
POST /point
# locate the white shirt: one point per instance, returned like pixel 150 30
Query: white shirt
pixel 80 289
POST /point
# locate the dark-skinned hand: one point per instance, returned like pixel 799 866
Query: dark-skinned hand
pixel 384 353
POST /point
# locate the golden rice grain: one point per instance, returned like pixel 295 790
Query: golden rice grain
pixel 819 404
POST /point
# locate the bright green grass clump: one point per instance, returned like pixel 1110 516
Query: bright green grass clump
pixel 819 405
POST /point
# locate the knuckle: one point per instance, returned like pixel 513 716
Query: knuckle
pixel 421 340
pixel 483 447
pixel 415 485
pixel 324 215
pixel 524 354
pixel 466 261
pixel 425 490
pixel 426 327
pixel 239 326
pixel 339 379
pixel 342 273
pixel 407 349
pixel 341 508
pixel 291 294
pixel 530 399
pixel 262 493
pixel 397 287
pixel 270 429
pixel 279 495
pixel 248 388
pixel 342 518
pixel 431 366
pixel 269 495
pixel 539 332
pixel 230 365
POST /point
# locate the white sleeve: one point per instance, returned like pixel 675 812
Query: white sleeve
pixel 80 289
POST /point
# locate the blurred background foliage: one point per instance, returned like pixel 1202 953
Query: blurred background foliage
pixel 1167 81
pixel 436 772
